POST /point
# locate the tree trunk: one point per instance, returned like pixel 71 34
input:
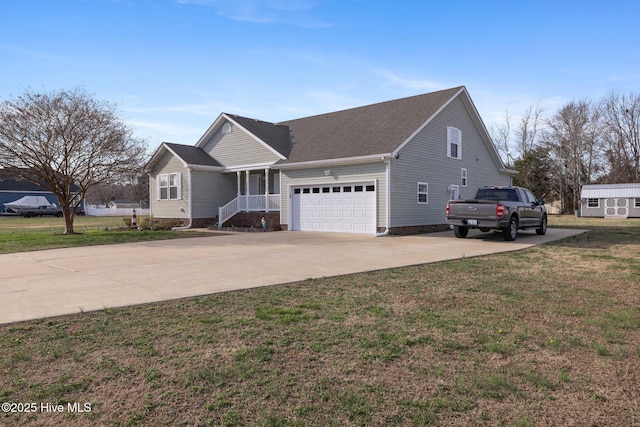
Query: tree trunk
pixel 68 220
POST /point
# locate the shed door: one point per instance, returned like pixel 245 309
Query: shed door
pixel 616 208
pixel 349 208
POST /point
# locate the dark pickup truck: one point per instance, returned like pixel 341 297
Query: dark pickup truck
pixel 40 211
pixel 504 209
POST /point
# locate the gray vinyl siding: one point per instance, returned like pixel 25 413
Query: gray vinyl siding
pixel 599 212
pixel 238 148
pixel 424 159
pixel 633 211
pixel 593 212
pixel 169 208
pixel 367 172
pixel 211 190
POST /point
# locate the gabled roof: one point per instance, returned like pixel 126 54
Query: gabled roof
pixel 277 136
pixel 601 191
pixel 364 131
pixel 357 134
pixel 192 155
pixel 188 154
pixel 270 135
pixel 9 182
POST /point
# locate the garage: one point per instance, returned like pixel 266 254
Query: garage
pixel 349 208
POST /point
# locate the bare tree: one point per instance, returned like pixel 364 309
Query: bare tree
pixel 622 135
pixel 67 142
pixel 501 135
pixel 527 143
pixel 527 131
pixel 573 139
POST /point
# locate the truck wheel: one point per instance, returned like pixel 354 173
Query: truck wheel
pixel 461 232
pixel 543 227
pixel 59 214
pixel 511 232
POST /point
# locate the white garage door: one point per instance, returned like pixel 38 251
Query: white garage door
pixel 334 207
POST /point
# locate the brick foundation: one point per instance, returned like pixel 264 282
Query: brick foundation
pixel 418 229
pixel 254 219
pixel 168 223
pixel 203 222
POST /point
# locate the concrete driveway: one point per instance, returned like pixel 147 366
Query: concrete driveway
pixel 64 281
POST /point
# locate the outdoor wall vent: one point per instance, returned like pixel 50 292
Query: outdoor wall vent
pixel 226 128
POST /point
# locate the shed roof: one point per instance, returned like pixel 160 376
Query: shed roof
pixel 604 191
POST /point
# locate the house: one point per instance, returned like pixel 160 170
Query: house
pixel 123 204
pixel 389 167
pixel 13 188
pixel 610 200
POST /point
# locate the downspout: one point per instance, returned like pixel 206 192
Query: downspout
pixel 188 226
pixel 386 232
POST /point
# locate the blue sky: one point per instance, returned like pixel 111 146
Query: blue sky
pixel 172 66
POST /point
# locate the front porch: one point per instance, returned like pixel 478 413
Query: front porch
pixel 257 191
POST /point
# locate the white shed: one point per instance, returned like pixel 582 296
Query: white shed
pixel 610 200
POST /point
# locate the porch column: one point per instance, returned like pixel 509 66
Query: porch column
pixel 239 188
pixel 247 191
pixel 266 190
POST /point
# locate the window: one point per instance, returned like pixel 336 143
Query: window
pixel 336 189
pixel 358 188
pixel 316 190
pixel 454 192
pixel 347 189
pixel 463 177
pixel 454 143
pixel 637 203
pixel 530 197
pixel 373 188
pixel 593 203
pixel 423 193
pixel 169 186
pixel 296 191
pixel 306 191
pixel 325 189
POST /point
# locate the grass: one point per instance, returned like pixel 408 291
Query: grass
pixel 18 234
pixel 545 336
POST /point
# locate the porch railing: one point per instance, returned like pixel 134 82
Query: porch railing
pixel 252 203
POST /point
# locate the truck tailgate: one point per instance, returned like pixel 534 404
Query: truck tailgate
pixel 479 209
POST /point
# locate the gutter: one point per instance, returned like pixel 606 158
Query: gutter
pixel 333 162
pixel 188 226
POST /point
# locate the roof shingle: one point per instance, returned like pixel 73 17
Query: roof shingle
pixel 192 155
pixel 372 129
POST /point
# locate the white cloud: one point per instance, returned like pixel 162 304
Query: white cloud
pixel 289 12
pixel 197 109
pixel 393 79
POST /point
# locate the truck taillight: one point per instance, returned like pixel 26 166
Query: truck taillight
pixel 499 210
pixel 448 209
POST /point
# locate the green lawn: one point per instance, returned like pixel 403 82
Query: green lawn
pixel 18 234
pixel 545 336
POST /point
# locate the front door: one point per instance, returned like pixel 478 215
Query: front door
pixel 255 184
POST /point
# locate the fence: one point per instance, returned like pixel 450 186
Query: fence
pixel 93 211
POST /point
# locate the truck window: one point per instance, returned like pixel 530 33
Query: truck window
pixel 497 194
